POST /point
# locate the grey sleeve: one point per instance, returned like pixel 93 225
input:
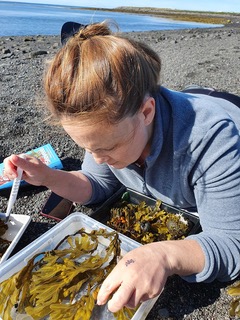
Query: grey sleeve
pixel 103 181
pixel 217 191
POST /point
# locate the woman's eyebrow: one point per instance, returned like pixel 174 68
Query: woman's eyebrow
pixel 104 149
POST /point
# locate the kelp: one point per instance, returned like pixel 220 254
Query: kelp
pixel 3 227
pixel 234 291
pixel 64 281
pixel 4 244
pixel 147 224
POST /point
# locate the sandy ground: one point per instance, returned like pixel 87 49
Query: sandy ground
pixel 208 57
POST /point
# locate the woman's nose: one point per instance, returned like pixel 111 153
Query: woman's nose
pixel 100 159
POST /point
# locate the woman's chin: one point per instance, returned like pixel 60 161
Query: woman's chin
pixel 117 165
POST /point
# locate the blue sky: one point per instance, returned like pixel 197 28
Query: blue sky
pixel 202 5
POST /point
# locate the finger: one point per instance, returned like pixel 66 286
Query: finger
pixel 18 160
pixel 122 297
pixel 136 299
pixel 11 164
pixel 107 288
pixel 139 297
pixel 12 161
pixel 24 162
pixel 10 169
pixel 133 301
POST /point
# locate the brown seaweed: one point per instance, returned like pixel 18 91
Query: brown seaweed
pixel 3 227
pixel 4 244
pixel 65 280
pixel 234 291
pixel 147 224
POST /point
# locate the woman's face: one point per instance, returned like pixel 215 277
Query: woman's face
pixel 117 145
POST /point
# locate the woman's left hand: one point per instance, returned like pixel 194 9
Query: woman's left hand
pixel 140 275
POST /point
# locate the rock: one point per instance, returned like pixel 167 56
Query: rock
pixel 5 51
pixel 29 39
pixel 38 53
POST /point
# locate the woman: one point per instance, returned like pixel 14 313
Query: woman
pixel 183 148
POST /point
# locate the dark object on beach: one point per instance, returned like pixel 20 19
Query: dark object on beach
pixel 69 29
pixel 56 207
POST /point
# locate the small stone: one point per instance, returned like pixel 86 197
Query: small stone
pixel 38 53
pixel 164 313
pixel 5 51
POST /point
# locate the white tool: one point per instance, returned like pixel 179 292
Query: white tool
pixel 13 196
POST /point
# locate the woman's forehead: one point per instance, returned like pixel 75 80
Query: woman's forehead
pixel 101 135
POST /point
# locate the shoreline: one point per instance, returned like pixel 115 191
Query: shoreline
pixel 222 18
pixel 208 57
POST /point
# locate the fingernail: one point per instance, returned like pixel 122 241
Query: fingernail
pixel 99 302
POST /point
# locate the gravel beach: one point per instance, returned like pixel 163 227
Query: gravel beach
pixel 208 57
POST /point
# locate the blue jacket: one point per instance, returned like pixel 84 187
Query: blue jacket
pixel 194 163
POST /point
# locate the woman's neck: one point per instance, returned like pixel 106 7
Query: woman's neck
pixel 140 161
pixel 146 151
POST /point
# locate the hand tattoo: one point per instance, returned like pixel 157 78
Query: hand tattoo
pixel 128 262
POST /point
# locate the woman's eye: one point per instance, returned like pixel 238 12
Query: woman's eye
pixel 111 149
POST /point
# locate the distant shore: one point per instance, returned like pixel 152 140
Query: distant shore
pixel 223 18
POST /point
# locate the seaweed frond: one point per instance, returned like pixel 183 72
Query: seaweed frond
pixel 234 291
pixel 65 280
pixel 147 224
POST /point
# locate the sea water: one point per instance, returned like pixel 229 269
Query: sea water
pixel 17 19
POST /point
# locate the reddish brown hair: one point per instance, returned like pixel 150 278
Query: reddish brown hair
pixel 98 75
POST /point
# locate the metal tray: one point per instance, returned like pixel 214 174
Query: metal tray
pixel 102 214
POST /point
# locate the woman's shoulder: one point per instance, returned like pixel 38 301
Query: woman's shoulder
pixel 196 117
pixel 200 109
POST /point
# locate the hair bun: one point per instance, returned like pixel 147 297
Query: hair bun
pixel 70 29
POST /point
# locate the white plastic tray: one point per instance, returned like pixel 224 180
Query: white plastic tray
pixel 17 224
pixel 52 237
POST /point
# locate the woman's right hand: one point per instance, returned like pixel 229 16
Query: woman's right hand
pixel 34 171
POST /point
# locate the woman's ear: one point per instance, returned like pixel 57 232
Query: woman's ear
pixel 148 110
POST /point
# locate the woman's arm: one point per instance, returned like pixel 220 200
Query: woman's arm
pixel 72 185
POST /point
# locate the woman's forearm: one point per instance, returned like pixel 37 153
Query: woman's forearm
pixel 72 185
pixel 185 257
